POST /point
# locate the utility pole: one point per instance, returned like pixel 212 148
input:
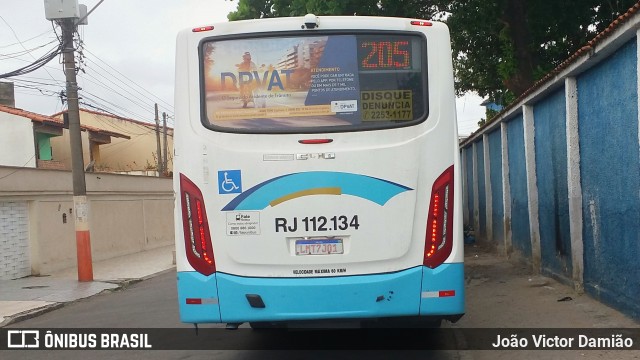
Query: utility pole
pixel 158 142
pixel 80 203
pixel 164 149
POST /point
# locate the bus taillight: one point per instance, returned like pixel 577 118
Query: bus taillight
pixel 197 238
pixel 439 237
pixel 202 28
pixel 421 23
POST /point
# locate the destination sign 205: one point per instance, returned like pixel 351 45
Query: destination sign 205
pixel 317 223
pixel 384 54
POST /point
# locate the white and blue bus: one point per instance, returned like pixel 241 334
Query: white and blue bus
pixel 316 172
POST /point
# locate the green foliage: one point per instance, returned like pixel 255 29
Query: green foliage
pixel 256 9
pixel 500 47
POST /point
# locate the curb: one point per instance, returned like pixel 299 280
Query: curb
pixel 30 314
pixel 121 284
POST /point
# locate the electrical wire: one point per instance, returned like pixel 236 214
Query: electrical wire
pixel 24 41
pixel 42 91
pixel 38 62
pixel 99 79
pixel 20 168
pixel 18 54
pixel 119 90
pixel 136 93
pixel 121 109
pixel 43 60
pixel 111 124
pixel 169 106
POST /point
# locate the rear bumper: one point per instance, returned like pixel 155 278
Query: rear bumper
pixel 410 292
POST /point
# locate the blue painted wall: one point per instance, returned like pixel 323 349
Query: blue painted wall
pixel 482 196
pixel 610 171
pixel 469 178
pixel 610 180
pixel 521 237
pixel 495 156
pixel 551 170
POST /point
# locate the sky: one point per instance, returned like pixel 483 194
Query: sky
pixel 129 52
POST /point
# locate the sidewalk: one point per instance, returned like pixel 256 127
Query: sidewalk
pixel 27 297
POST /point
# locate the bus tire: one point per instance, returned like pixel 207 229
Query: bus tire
pixel 263 325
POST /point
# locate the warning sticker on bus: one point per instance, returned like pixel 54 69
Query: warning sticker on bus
pixel 387 105
pixel 280 112
pixel 243 223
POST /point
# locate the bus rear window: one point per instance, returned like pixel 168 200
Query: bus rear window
pixel 314 83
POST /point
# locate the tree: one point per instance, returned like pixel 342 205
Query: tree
pixel 500 47
pixel 257 9
pixel 503 46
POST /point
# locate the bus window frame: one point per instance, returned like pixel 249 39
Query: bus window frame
pixel 319 129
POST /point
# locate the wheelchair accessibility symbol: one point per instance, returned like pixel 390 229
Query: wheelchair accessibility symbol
pixel 229 182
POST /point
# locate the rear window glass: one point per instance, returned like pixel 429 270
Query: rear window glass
pixel 314 83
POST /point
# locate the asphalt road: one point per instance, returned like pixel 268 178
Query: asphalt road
pixel 153 304
pixel 499 293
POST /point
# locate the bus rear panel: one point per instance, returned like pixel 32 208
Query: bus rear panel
pixel 316 172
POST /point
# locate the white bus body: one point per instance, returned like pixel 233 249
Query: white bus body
pixel 316 171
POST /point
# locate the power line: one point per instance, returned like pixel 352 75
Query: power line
pixel 133 82
pixel 113 113
pixel 24 41
pixel 44 59
pixel 42 91
pixel 136 92
pixel 18 54
pixel 132 98
pixel 137 97
pixel 38 62
pixel 57 82
pixel 111 103
pixel 36 82
pixel 126 131
pixel 20 168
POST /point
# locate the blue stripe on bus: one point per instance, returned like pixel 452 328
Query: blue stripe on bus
pixel 193 285
pixel 344 297
pixel 373 189
pixel 366 296
pixel 446 277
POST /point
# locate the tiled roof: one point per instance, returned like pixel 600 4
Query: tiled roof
pixel 31 115
pixel 113 117
pixel 49 120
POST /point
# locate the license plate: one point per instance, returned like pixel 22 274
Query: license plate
pixel 319 247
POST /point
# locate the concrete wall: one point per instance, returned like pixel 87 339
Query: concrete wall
pixel 610 173
pixel 17 146
pixel 563 182
pixel 518 180
pixel 551 166
pixel 482 198
pixel 61 149
pixel 468 177
pixel 495 174
pixel 135 154
pixel 128 214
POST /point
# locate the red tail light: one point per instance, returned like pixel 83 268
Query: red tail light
pixel 439 237
pixel 421 23
pixel 202 28
pixel 197 238
pixel 315 141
